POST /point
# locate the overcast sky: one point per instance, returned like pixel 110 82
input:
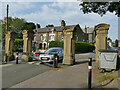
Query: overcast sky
pixel 46 13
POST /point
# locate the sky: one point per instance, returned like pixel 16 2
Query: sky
pixel 45 13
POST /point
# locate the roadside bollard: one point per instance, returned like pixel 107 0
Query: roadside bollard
pixel 55 61
pixel 17 58
pixel 119 83
pixel 89 73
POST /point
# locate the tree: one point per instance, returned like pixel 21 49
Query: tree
pixel 50 25
pixel 18 44
pixel 38 25
pixel 116 43
pixel 101 7
pixel 16 25
pixel 109 39
pixel 29 26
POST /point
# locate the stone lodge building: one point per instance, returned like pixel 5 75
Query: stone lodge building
pixel 44 35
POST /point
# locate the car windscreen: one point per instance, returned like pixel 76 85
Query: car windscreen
pixel 51 50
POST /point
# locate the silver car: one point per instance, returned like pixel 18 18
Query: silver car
pixel 48 55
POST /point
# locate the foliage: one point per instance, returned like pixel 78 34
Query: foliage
pixel 50 25
pixel 104 78
pixel 79 46
pixel 116 43
pixel 38 25
pixel 56 44
pixel 109 39
pixel 18 43
pixel 16 25
pixel 101 7
pixel 29 26
pixel 84 47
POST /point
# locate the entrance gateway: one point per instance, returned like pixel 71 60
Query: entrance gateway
pixel 69 42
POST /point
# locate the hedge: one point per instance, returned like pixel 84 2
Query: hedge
pixel 84 47
pixel 56 44
pixel 79 46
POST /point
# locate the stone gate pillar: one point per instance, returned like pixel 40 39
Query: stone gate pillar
pixel 27 44
pixel 101 38
pixel 69 46
pixel 9 44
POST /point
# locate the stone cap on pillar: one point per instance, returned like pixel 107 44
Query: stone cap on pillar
pixel 11 34
pixel 70 28
pixel 102 26
pixel 28 33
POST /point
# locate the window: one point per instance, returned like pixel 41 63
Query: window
pixel 83 40
pixel 77 38
pixel 35 38
pixel 44 37
pixel 41 38
pixel 52 37
pixel 62 37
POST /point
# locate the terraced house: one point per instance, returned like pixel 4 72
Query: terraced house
pixel 45 35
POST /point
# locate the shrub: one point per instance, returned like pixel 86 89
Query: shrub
pixel 18 43
pixel 79 46
pixel 56 44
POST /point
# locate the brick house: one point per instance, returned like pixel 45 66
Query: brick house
pixel 44 35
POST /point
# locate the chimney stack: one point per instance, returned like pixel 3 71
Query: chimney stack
pixel 63 23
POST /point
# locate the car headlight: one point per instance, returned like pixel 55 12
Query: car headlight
pixel 52 56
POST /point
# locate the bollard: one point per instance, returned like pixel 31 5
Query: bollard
pixel 119 83
pixel 55 61
pixel 17 58
pixel 89 73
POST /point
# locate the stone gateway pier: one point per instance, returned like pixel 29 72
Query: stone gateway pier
pixel 27 44
pixel 101 38
pixel 9 44
pixel 69 45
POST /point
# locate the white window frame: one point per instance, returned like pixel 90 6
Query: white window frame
pixel 52 37
pixel 44 37
pixel 41 38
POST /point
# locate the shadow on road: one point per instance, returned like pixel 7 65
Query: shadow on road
pixel 83 62
pixel 104 84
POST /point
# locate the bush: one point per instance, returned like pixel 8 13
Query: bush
pixel 56 44
pixel 18 43
pixel 84 47
pixel 79 46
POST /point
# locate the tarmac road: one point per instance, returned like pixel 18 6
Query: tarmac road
pixel 14 74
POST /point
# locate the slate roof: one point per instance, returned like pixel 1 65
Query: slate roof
pixel 49 29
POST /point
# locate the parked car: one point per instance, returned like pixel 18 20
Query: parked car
pixel 118 49
pixel 112 48
pixel 37 53
pixel 48 55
